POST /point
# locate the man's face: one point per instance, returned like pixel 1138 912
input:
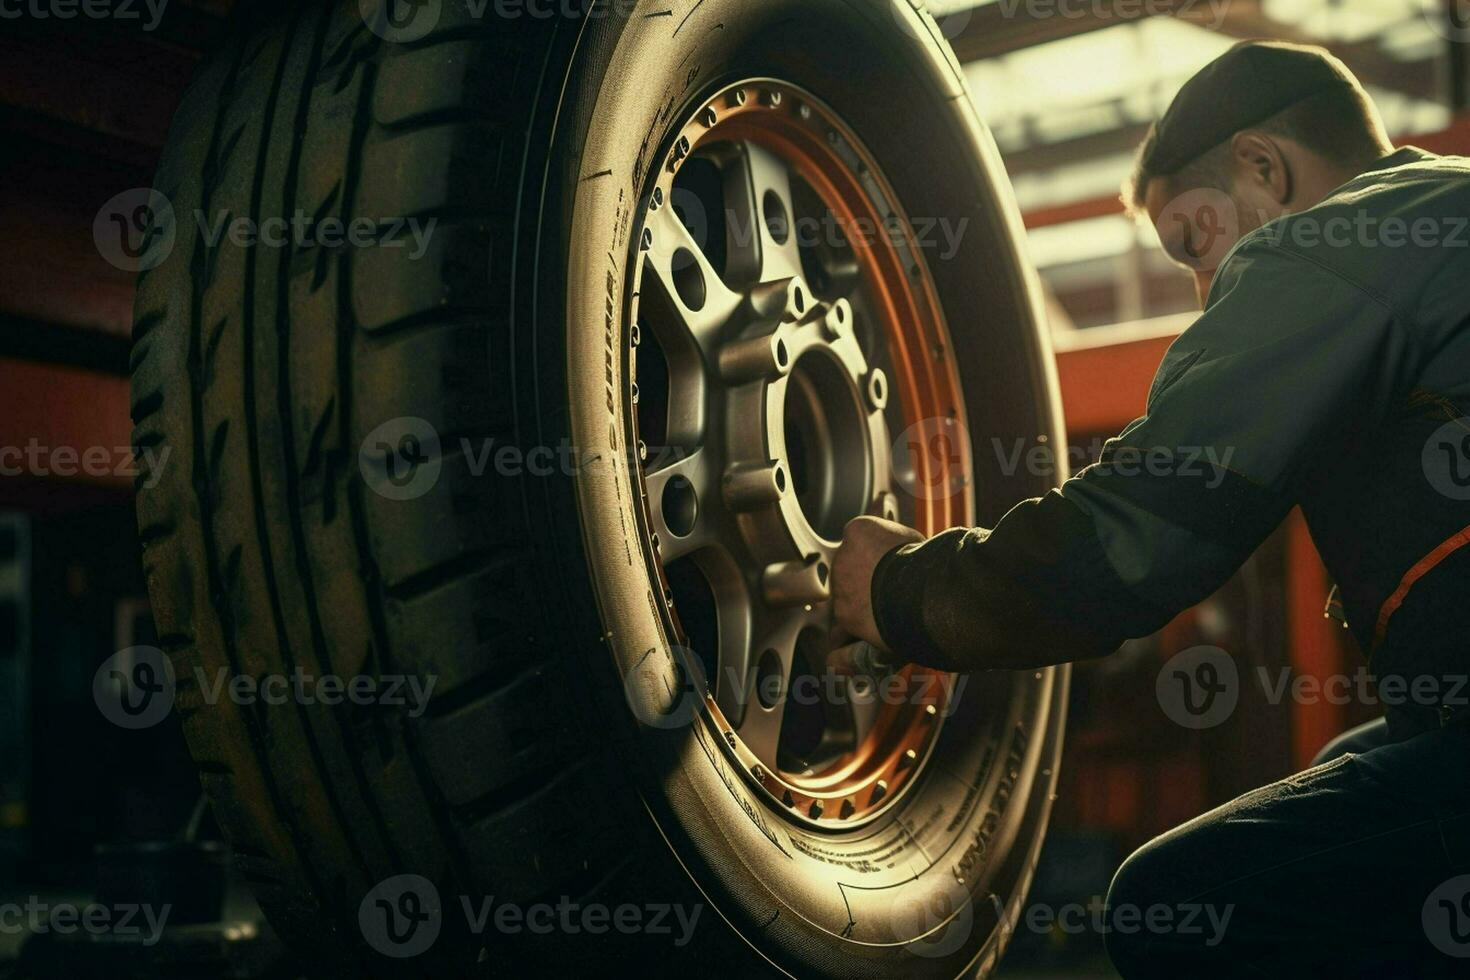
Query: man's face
pixel 1196 227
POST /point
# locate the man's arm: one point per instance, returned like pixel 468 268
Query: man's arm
pixel 1289 360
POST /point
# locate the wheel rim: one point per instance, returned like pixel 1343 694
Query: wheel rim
pixel 785 328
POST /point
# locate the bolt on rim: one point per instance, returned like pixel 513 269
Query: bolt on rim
pixel 784 328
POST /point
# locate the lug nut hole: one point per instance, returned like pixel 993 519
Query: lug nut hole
pixel 778 221
pixel 770 684
pixel 680 506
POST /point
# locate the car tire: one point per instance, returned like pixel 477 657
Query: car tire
pixel 316 510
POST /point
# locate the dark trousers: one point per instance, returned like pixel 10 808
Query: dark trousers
pixel 1357 867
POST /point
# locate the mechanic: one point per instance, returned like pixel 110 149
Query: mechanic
pixel 1332 360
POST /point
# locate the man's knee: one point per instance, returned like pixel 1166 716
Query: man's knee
pixel 1159 928
pixel 1143 881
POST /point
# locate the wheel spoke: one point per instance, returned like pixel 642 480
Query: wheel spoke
pixel 760 729
pixel 865 703
pixel 735 614
pixel 767 669
pixel 679 497
pixel 761 216
pixel 697 301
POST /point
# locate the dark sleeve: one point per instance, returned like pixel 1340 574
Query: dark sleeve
pixel 1286 363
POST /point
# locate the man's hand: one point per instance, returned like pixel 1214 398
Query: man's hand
pixel 864 543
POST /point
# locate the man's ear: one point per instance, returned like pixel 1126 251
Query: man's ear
pixel 1259 164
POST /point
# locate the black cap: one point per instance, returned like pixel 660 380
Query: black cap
pixel 1245 86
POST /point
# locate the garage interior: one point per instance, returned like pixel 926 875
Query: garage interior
pixel 1068 91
